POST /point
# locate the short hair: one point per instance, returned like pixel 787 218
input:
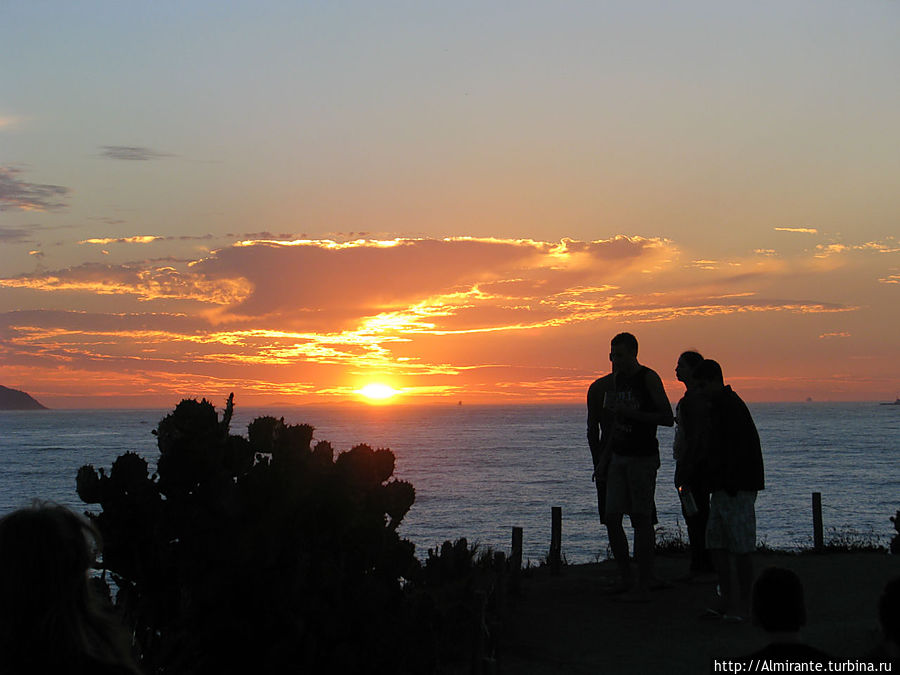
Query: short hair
pixel 709 371
pixel 626 339
pixel 777 602
pixel 889 611
pixel 691 359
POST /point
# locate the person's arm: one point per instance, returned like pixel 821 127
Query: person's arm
pixel 679 442
pixel 597 427
pixel 595 411
pixel 697 429
pixel 660 401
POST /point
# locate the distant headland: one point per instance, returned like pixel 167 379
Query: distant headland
pixel 13 399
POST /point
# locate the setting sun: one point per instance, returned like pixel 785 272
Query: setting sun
pixel 378 392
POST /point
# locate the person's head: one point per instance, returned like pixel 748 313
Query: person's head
pixel 687 363
pixel 623 350
pixel 708 375
pixel 49 612
pixel 45 553
pixel 889 612
pixel 777 602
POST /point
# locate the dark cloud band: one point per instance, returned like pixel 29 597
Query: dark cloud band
pixel 131 153
pixel 19 194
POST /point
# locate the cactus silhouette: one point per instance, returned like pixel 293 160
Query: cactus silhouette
pixel 259 553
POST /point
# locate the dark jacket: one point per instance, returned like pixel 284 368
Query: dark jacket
pixel 734 452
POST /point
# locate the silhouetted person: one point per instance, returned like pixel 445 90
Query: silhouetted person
pixel 624 409
pixel 689 450
pixel 889 618
pixel 778 607
pixel 51 621
pixel 735 476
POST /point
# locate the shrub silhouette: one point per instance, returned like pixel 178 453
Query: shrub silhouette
pixel 464 586
pixel 261 553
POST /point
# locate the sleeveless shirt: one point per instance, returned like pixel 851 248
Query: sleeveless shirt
pixel 631 438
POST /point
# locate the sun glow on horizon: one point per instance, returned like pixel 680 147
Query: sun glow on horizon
pixel 378 392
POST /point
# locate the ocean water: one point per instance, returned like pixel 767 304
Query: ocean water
pixel 480 470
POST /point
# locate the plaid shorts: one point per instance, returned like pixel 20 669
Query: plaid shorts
pixel 732 522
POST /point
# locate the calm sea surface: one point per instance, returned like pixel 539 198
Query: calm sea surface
pixel 480 470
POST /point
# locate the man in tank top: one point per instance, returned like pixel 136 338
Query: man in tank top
pixel 624 409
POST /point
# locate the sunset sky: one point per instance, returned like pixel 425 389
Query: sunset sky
pixel 461 201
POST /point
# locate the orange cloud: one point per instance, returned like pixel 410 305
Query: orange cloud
pixel 435 317
pixel 147 283
pixel 890 245
pixel 797 230
pixel 138 239
pixel 365 295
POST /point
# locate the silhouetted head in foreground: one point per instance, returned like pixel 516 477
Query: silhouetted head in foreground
pixel 777 603
pixel 50 616
pixel 889 616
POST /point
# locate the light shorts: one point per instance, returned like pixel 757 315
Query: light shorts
pixel 732 522
pixel 631 484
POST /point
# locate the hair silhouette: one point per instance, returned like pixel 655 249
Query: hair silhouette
pixel 51 619
pixel 626 339
pixel 691 359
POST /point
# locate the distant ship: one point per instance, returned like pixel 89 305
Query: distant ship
pixel 896 402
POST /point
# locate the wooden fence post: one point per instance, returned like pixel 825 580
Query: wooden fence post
pixel 555 539
pixel 818 535
pixel 515 560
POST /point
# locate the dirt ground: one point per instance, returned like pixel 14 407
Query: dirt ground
pixel 570 624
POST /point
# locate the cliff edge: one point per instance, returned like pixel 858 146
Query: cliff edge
pixel 13 399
